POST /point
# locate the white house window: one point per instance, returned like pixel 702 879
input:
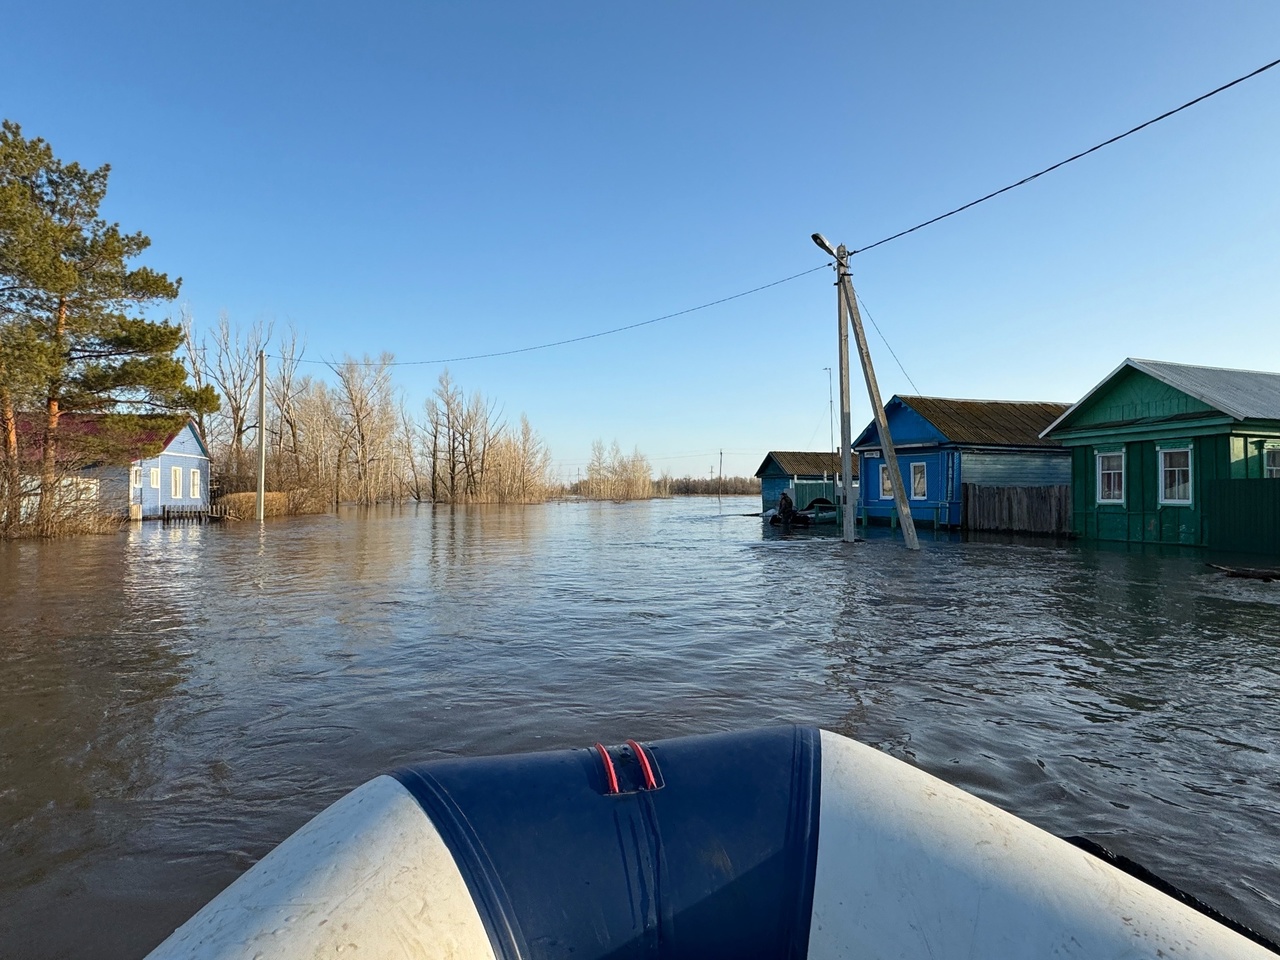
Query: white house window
pixel 135 477
pixel 886 483
pixel 1111 478
pixel 1175 476
pixel 1271 466
pixel 195 485
pixel 919 482
pixel 175 483
pixel 155 478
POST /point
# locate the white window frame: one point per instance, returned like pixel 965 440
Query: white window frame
pixel 1161 468
pixel 924 472
pixel 135 476
pixel 155 478
pixel 1270 472
pixel 1124 478
pixel 193 487
pixel 175 483
pixel 886 483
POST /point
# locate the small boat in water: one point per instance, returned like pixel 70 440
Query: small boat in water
pixel 778 843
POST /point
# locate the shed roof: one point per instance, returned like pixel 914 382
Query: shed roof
pixel 1241 394
pixel 1010 423
pixel 797 463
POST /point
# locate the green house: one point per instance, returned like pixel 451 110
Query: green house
pixel 1180 454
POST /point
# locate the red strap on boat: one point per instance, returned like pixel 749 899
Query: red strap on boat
pixel 609 774
pixel 650 781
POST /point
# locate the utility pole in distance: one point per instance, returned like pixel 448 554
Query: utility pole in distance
pixel 849 302
pixel 261 504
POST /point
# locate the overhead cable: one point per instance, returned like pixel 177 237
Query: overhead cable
pixel 1063 163
pixel 586 336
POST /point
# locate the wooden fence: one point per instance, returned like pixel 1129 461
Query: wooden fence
pixel 184 514
pixel 1044 510
pixel 1243 516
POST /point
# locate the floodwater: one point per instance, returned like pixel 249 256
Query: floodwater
pixel 175 701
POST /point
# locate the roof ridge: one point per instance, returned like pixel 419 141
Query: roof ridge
pixel 1205 366
pixel 922 396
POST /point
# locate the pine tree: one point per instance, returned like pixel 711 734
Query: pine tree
pixel 72 333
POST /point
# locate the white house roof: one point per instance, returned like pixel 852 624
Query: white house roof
pixel 1241 394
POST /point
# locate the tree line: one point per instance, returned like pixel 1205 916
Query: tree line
pixel 351 437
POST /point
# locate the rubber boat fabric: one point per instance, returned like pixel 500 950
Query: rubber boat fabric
pixel 777 844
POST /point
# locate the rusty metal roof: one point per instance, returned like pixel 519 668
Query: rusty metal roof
pixel 797 463
pixel 1006 423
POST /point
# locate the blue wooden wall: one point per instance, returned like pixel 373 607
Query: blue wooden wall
pixel 185 452
pixel 947 466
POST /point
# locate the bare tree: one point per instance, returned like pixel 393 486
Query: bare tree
pixel 233 371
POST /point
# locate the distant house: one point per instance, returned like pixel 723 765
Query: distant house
pixel 943 444
pixel 782 469
pixel 176 476
pixel 1175 453
pixel 135 466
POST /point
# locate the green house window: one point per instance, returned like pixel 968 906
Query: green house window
pixel 1175 476
pixel 1111 478
pixel 1272 469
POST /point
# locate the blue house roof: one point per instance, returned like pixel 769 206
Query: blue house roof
pixel 931 421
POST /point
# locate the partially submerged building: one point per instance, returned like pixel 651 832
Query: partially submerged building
pixel 1175 453
pixel 944 444
pixel 810 476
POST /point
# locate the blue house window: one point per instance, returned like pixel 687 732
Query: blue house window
pixel 195 485
pixel 1111 478
pixel 886 483
pixel 919 482
pixel 1175 476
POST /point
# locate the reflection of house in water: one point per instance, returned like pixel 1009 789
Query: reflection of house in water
pixel 1174 453
pixel 992 446
pixel 809 476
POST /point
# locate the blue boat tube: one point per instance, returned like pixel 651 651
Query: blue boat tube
pixel 777 844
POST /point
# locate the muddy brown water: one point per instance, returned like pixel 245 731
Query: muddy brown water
pixel 175 701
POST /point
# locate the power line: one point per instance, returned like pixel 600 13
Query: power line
pixel 587 336
pixel 886 342
pixel 766 286
pixel 1063 163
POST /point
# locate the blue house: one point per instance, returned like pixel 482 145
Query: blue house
pixel 806 475
pixel 943 444
pixel 176 476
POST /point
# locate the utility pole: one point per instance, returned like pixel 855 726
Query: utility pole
pixel 850 529
pixel 720 489
pixel 849 302
pixel 262 434
pixel 831 412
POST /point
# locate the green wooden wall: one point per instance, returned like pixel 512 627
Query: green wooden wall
pixel 1142 518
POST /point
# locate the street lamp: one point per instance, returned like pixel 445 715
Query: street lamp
pixel 821 241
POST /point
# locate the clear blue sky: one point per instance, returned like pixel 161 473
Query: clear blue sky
pixel 441 179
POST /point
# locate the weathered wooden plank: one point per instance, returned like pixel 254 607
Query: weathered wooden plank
pixel 1045 510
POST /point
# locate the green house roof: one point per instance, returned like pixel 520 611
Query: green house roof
pixel 1154 390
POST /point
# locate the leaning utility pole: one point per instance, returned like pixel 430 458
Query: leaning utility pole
pixel 849 302
pixel 262 434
